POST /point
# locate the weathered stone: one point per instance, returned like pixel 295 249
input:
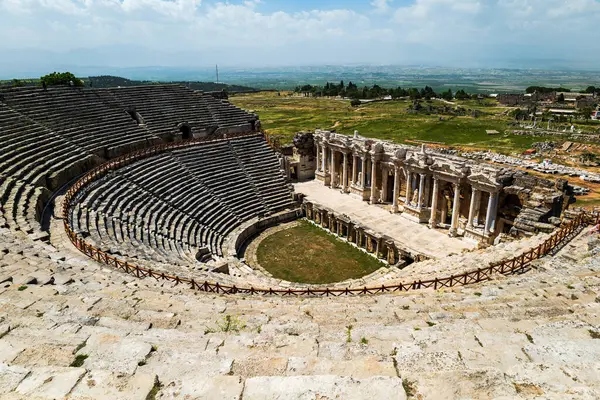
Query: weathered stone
pixel 50 382
pixel 114 353
pixel 323 386
pixel 202 387
pixel 100 384
pixel 10 377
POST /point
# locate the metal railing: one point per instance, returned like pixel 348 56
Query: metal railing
pixel 515 265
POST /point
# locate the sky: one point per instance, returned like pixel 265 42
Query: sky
pixel 129 33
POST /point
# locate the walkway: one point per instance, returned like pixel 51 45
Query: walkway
pixel 411 236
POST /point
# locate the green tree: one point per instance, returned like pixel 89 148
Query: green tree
pixel 561 98
pixel 447 95
pixel 61 78
pixel 586 112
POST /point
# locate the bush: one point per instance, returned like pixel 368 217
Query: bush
pixel 355 103
pixel 60 78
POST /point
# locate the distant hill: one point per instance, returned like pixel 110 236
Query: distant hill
pixel 105 81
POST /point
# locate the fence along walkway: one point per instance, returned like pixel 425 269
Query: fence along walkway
pixel 509 266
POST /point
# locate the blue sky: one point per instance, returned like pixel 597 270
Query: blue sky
pixel 125 33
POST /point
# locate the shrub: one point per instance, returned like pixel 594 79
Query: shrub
pixel 60 78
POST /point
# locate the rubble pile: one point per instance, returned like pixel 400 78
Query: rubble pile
pixel 545 167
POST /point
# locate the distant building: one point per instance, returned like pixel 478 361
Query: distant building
pixel 516 99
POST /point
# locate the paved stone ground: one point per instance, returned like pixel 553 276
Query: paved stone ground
pixel 410 235
pixel 71 328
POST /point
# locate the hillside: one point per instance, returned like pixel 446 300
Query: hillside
pixel 108 81
pixel 114 81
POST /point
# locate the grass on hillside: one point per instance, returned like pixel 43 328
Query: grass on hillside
pixel 390 120
pixel 308 254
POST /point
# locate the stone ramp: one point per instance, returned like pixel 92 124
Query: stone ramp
pixel 411 236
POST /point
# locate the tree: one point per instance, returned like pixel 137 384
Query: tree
pixel 414 94
pixel 591 89
pixel 61 78
pixel 447 95
pixel 427 93
pixel 561 98
pixel 462 95
pixel 586 112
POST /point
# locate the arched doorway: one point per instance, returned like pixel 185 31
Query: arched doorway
pixel 186 131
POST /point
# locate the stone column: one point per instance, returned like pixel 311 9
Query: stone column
pixel 455 210
pixel 490 217
pixel 363 173
pixel 408 186
pixel 354 169
pixel 421 191
pixel 324 158
pixel 495 212
pixel 434 203
pixel 396 189
pixel 318 158
pixel 373 180
pixel 384 180
pixel 332 170
pixel 472 208
pixel 345 173
pixel 477 208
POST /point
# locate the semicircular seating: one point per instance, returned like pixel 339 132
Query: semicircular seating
pixel 49 137
pixel 178 207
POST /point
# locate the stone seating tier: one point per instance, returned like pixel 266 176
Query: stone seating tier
pixel 159 105
pixel 49 137
pixel 167 207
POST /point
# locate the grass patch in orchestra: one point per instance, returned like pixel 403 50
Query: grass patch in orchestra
pixel 306 253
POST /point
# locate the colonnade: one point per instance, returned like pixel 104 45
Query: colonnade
pixel 419 190
pixel 380 246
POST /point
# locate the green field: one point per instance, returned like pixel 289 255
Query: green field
pixel 390 120
pixel 308 254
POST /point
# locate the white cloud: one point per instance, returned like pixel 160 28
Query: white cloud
pixel 381 6
pixel 423 30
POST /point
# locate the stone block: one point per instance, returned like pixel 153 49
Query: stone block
pixel 50 382
pixel 205 388
pixel 106 385
pixel 115 353
pixel 323 387
pixel 10 377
